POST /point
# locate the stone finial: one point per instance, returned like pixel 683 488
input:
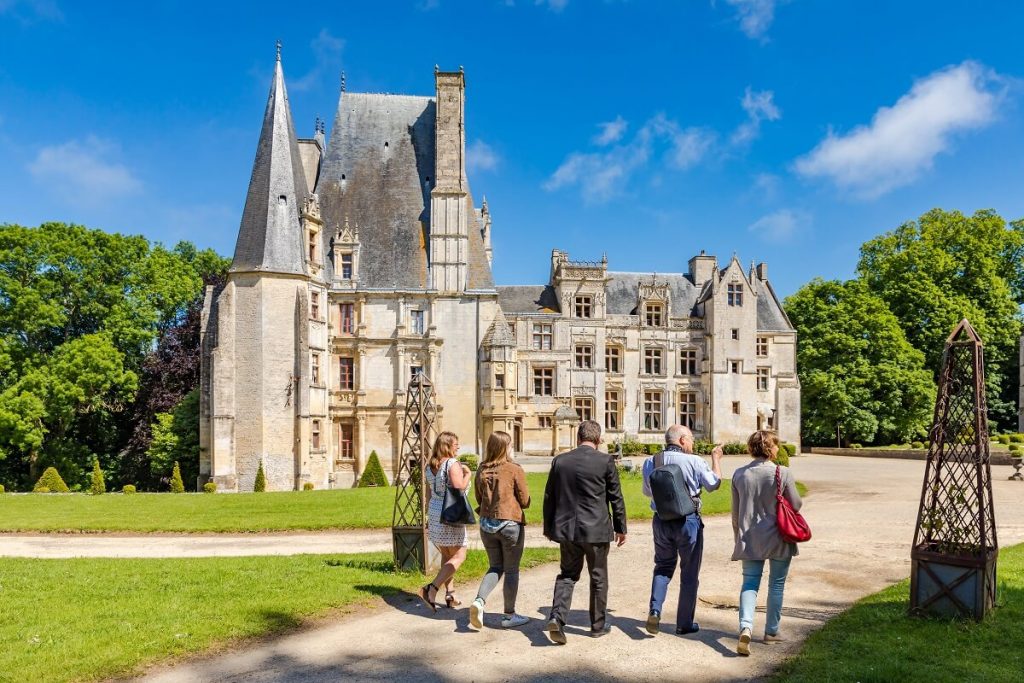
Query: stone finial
pixel 279 50
pixel 342 81
pixel 461 70
pixel 436 68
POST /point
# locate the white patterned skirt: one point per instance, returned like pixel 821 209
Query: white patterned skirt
pixel 441 534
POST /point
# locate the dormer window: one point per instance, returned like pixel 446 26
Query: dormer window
pixel 314 305
pixel 312 246
pixel 346 266
pixel 734 294
pixel 654 315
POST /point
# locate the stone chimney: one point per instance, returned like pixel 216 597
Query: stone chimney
pixel 701 268
pixel 761 270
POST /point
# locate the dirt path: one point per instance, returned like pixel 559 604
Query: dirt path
pixel 862 513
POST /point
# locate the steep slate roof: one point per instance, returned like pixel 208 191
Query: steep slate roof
pixel 269 239
pixel 623 290
pixel 770 316
pixel 375 173
pixel 528 299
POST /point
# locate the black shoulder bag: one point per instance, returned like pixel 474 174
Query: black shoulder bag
pixel 455 508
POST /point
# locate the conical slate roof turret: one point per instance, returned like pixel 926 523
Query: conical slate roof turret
pixel 499 334
pixel 270 239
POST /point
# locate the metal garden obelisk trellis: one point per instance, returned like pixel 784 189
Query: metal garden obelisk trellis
pixel 413 549
pixel 953 570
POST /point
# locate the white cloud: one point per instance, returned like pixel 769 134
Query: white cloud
pixel 29 10
pixel 481 157
pixel 428 5
pixel 767 185
pixel 605 174
pixel 327 59
pixel 903 140
pixel 611 131
pixel 759 107
pixel 755 16
pixel 781 224
pixel 84 172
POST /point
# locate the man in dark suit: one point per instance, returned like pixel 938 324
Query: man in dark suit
pixel 581 486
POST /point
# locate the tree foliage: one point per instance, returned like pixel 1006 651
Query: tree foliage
pixel 176 439
pixel 858 372
pixel 946 266
pixel 80 311
pixel 260 485
pixel 51 481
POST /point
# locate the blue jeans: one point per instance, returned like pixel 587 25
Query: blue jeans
pixel 778 570
pixel 681 541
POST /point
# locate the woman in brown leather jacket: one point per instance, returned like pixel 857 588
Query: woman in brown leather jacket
pixel 502 493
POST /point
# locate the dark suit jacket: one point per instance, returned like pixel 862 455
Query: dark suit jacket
pixel 581 485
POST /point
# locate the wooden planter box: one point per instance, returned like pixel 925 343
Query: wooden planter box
pixel 948 585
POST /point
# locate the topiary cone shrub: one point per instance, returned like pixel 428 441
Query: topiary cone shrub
pixel 308 486
pixel 50 481
pixel 373 474
pixel 128 490
pixel 2 489
pixel 261 480
pixel 782 457
pixel 177 486
pixel 98 485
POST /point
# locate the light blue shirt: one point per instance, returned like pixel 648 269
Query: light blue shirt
pixel 696 472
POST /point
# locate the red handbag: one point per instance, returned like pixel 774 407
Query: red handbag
pixel 793 528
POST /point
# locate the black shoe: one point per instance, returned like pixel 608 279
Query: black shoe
pixel 653 621
pixel 680 631
pixel 597 633
pixel 555 632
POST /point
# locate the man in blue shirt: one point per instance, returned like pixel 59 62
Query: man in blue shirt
pixel 681 537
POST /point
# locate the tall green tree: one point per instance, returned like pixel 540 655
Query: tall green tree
pixel 861 380
pixel 946 266
pixel 80 310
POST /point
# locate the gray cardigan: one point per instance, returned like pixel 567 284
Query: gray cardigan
pixel 753 511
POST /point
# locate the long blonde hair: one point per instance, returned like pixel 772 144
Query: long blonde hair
pixel 760 443
pixel 497 448
pixel 444 447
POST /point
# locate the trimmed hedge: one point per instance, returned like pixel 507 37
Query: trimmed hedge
pixel 855 445
pixel 260 485
pixel 702 447
pixel 128 490
pixel 373 473
pixel 1016 438
pixel 916 444
pixel 782 457
pixel 1014 448
pixel 735 448
pixel 630 446
pixel 210 487
pixel 50 481
pixel 790 448
pixel 2 489
pixel 97 486
pixel 1003 439
pixel 470 460
pixel 177 485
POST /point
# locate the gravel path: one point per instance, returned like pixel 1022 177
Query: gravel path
pixel 862 513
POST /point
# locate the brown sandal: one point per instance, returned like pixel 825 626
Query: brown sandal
pixel 451 601
pixel 424 593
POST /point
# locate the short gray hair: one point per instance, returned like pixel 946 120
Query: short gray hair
pixel 588 431
pixel 675 433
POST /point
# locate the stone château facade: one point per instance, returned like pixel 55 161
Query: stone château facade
pixel 364 260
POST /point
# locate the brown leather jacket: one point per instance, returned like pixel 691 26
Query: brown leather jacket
pixel 501 492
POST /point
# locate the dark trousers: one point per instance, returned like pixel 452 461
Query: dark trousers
pixel 573 554
pixel 681 541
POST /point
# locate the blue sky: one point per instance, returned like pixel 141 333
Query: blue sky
pixel 788 132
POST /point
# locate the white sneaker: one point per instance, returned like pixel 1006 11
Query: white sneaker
pixel 476 614
pixel 743 647
pixel 514 620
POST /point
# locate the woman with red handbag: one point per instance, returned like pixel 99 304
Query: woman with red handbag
pixel 763 493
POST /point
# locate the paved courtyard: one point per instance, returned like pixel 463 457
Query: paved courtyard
pixel 862 513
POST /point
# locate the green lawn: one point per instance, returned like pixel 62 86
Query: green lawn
pixel 369 508
pixel 875 641
pixel 63 620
